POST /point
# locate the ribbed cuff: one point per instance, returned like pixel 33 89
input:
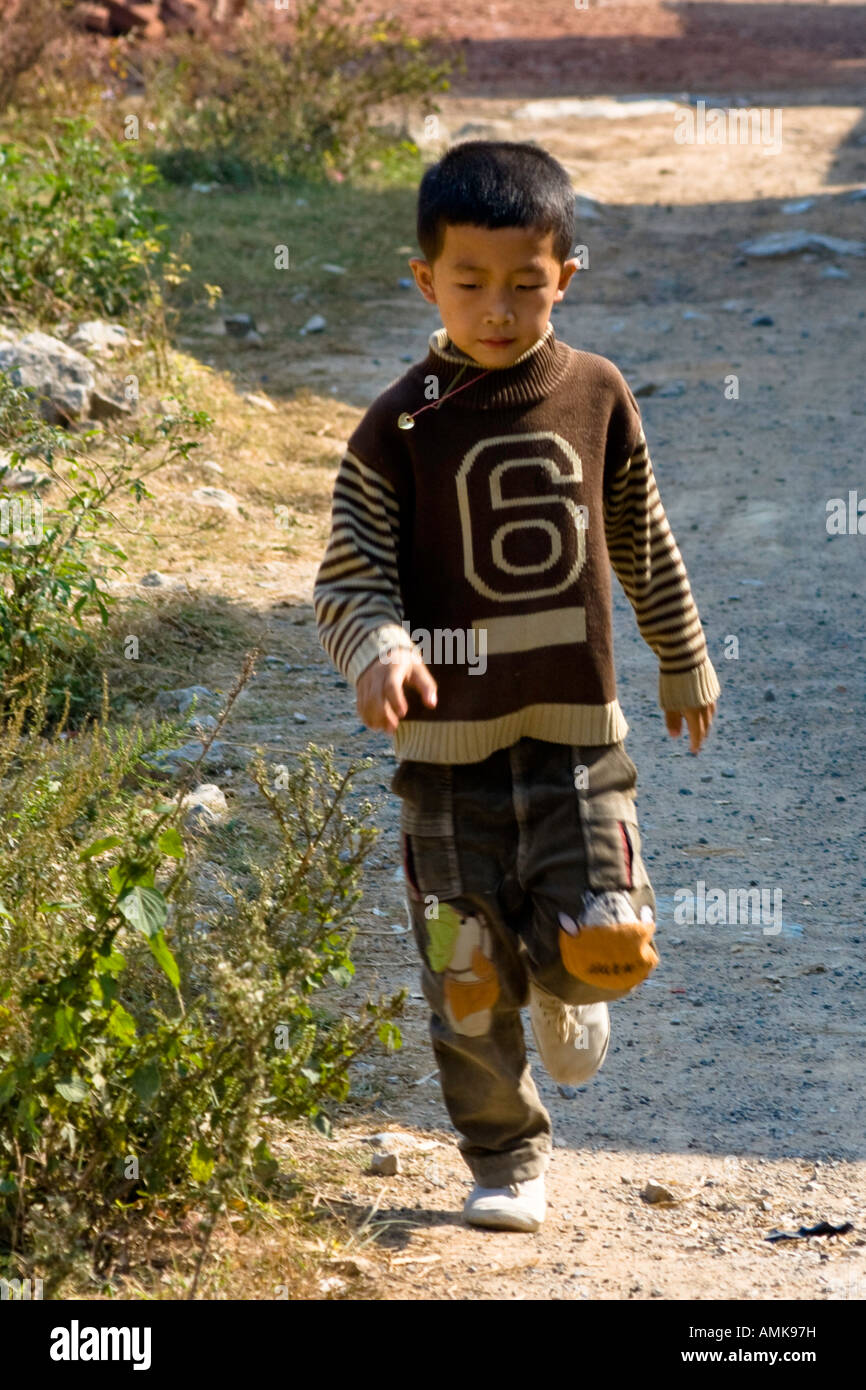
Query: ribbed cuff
pixel 378 642
pixel 689 689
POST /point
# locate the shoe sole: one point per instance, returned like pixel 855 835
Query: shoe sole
pixel 500 1221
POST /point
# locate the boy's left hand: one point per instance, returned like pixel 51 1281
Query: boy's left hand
pixel 698 721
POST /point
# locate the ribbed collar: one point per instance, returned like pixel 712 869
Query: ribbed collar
pixel 531 377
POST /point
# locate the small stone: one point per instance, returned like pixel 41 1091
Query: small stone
pixel 206 805
pixel 332 1285
pixel 299 718
pixel 656 1192
pixel 206 794
pixel 763 321
pixel 211 465
pixel 155 579
pixel 260 402
pixel 239 325
pixel 314 325
pixel 216 497
pixel 384 1165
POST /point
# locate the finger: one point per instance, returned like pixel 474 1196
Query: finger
pixel 420 677
pixel 693 723
pixel 390 718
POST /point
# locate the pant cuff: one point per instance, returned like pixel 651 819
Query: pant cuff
pixel 501 1170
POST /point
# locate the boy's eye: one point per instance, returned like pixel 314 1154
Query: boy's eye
pixel 520 287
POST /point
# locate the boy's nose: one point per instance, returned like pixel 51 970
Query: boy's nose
pixel 499 318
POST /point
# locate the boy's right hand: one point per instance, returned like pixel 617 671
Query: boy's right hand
pixel 379 692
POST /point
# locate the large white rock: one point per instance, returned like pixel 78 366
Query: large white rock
pixel 62 378
pixel 99 334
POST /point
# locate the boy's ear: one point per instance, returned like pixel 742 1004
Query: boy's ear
pixel 423 273
pixel 568 269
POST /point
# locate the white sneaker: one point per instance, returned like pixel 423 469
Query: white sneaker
pixel 571 1038
pixel 520 1207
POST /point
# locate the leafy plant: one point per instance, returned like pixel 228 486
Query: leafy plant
pixel 77 234
pixel 144 1055
pixel 55 557
pixel 274 108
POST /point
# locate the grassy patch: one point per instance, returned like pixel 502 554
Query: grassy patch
pixel 233 239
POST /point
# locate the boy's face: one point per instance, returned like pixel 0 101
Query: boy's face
pixel 495 288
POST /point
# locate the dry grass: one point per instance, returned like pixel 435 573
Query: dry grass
pixel 304 1241
pixel 269 460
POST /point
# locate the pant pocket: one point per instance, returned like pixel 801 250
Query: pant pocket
pixel 608 817
pixel 431 865
pixel 429 848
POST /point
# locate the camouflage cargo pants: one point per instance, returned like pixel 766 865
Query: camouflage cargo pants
pixel 501 858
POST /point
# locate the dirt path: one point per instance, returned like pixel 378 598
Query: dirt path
pixel 736 1073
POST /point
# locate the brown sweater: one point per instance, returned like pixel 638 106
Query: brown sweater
pixel 484 537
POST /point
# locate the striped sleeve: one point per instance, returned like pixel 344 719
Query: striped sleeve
pixel 648 564
pixel 356 593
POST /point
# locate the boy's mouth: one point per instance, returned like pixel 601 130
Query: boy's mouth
pixel 496 342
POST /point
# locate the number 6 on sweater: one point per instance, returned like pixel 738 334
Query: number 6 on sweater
pixel 539 546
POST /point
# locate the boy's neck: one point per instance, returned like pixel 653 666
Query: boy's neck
pixel 449 348
pixel 530 378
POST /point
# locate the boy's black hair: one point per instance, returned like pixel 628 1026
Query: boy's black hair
pixel 495 183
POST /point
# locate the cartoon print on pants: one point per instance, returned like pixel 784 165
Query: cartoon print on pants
pixel 461 946
pixel 608 947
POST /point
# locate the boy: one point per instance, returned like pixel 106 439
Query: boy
pixel 477 510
